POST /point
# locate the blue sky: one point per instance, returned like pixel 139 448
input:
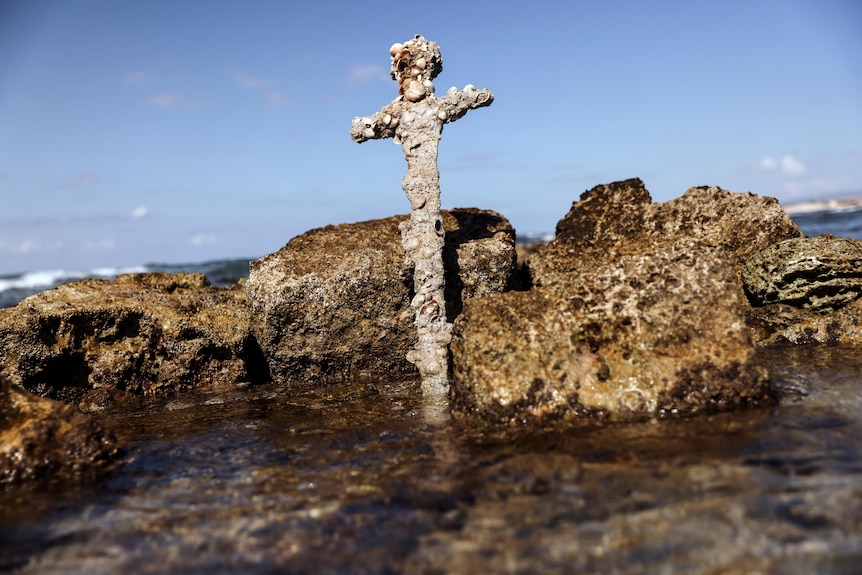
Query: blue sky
pixel 187 130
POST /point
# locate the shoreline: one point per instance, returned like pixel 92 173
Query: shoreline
pixel 823 205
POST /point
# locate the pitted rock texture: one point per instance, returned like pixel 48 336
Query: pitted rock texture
pixel 141 333
pixel 653 334
pixel 334 303
pixel 821 274
pixel 620 218
pixel 42 439
pixel 637 311
pixel 779 323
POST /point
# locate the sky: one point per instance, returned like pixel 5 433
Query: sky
pixel 177 131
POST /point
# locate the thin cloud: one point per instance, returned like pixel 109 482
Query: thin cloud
pixel 172 101
pixel 203 239
pixel 367 73
pixel 768 164
pixel 787 165
pixel 275 99
pixel 137 78
pixel 81 181
pixel 29 246
pixel 101 245
pixel 249 82
pixel 790 166
pixel 139 213
pixel 821 188
pixel 66 219
pixel 270 95
pixel 86 179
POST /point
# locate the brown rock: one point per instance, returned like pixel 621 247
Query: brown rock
pixel 650 334
pixel 638 312
pixel 41 438
pixel 621 218
pixel 141 333
pixel 786 324
pixel 806 290
pixel 334 303
pixel 822 273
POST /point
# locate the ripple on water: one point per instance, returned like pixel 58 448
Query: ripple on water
pixel 365 478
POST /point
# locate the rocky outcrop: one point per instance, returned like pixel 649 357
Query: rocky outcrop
pixel 821 274
pixel 42 439
pixel 637 312
pixel 619 218
pixel 648 335
pixel 780 323
pixel 141 333
pixel 334 303
pixel 806 290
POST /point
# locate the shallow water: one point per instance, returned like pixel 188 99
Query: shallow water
pixel 364 478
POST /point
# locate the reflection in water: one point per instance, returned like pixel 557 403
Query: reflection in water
pixel 367 478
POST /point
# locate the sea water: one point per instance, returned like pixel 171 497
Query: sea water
pixel 359 478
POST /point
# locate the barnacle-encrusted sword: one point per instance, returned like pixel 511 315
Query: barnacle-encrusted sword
pixel 415 120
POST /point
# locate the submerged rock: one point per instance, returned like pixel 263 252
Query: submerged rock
pixel 41 438
pixel 821 274
pixel 141 333
pixel 637 312
pixel 334 303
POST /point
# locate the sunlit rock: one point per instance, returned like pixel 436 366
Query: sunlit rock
pixel 637 312
pixel 141 333
pixel 43 439
pixel 335 302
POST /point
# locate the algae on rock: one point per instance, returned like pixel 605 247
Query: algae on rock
pixel 41 438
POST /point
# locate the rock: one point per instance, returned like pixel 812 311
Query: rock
pixel 779 323
pixel 621 218
pixel 821 274
pixel 647 335
pixel 334 303
pixel 141 333
pixel 41 438
pixel 637 311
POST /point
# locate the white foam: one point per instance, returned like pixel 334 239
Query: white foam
pixel 49 278
pixel 114 272
pixel 829 206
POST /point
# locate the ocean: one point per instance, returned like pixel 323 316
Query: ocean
pixel 15 287
pixel 844 220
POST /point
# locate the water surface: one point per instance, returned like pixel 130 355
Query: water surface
pixel 364 478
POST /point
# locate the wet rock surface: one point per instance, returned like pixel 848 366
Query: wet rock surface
pixel 806 291
pixel 44 439
pixel 782 324
pixel 88 341
pixel 352 478
pixel 821 274
pixel 334 303
pixel 637 312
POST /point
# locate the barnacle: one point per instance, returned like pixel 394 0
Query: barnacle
pixel 415 60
